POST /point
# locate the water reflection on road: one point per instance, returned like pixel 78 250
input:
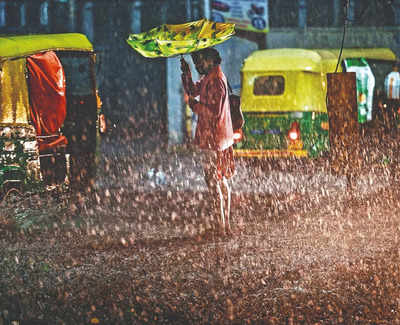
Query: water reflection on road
pixel 182 171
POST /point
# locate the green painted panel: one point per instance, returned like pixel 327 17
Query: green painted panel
pixel 18 148
pixel 269 131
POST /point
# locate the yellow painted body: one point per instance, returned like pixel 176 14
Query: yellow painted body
pixel 14 101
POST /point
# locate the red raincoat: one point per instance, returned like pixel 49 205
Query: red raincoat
pixel 214 127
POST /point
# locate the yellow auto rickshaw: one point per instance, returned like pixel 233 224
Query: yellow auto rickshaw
pixel 49 110
pixel 284 97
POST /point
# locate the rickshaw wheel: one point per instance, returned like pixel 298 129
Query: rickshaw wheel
pixel 83 169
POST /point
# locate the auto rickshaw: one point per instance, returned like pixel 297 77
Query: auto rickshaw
pixel 49 110
pixel 284 97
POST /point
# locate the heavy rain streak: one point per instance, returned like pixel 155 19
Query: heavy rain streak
pixel 314 240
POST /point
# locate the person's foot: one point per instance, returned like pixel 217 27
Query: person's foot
pixel 220 230
pixel 229 232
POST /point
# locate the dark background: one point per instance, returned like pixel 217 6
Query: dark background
pixel 133 88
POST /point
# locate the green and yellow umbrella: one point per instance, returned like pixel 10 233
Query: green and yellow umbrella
pixel 170 40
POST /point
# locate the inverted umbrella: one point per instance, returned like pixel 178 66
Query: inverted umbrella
pixel 170 40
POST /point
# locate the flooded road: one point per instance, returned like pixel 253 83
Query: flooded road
pixel 140 248
pixel 172 170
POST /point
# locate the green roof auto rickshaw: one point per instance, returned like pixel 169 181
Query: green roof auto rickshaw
pixel 284 99
pixel 49 109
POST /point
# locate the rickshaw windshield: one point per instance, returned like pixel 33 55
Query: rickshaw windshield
pixel 77 73
pixel 269 85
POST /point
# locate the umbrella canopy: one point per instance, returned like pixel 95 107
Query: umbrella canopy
pixel 170 40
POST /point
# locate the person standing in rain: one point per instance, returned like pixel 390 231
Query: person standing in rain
pixel 392 94
pixel 214 133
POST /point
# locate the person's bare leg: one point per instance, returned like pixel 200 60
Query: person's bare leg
pixel 215 198
pixel 226 191
pixel 221 206
pixel 228 202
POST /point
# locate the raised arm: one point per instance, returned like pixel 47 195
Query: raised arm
pixel 191 88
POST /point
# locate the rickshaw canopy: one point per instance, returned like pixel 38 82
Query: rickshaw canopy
pixel 283 60
pixel 26 45
pixel 329 57
pixel 311 60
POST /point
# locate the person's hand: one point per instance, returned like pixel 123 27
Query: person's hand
pixel 192 101
pixel 184 66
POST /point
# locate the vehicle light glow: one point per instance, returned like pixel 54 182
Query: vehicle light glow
pixel 293 135
pixel 237 136
pixel 294 132
pixel 324 125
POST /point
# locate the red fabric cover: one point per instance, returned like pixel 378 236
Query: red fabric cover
pixel 47 97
